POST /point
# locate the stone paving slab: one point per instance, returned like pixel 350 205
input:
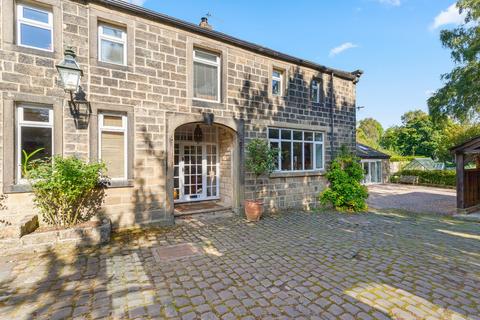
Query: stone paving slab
pixel 292 266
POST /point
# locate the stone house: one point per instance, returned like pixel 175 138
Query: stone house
pixel 173 105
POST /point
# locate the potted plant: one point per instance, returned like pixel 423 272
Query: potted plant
pixel 260 161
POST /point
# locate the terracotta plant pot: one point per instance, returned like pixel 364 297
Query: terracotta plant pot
pixel 253 210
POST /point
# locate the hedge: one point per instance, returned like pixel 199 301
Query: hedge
pixel 435 177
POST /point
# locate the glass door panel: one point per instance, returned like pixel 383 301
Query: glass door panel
pixel 195 172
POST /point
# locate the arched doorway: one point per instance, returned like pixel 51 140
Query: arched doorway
pixel 204 162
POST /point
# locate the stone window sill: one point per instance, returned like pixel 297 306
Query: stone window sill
pixel 38 52
pixel 297 174
pixel 26 188
pixel 120 184
pixel 207 104
pixel 113 66
pixel 17 188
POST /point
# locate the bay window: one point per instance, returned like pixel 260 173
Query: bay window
pixel 34 127
pixel 113 144
pixel 298 150
pixel 206 76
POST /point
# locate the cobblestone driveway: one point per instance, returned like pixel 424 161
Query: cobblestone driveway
pixel 302 266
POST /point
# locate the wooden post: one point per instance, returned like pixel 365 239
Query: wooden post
pixel 459 159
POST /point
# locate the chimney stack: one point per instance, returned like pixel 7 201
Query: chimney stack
pixel 204 24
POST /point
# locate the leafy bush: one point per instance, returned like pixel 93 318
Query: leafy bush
pixel 67 191
pixel 261 158
pixel 345 192
pixel 436 177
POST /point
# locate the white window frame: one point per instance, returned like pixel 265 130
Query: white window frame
pixel 124 130
pixel 303 141
pixel 122 40
pixel 279 79
pixel 378 163
pixel 216 64
pixel 317 88
pixel 34 23
pixel 30 124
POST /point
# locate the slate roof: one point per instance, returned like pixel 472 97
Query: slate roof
pixel 366 152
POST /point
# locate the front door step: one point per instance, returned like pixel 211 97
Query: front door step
pixel 201 211
pixel 187 209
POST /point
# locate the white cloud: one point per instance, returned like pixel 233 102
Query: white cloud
pixel 137 2
pixel 341 48
pixel 449 16
pixel 394 3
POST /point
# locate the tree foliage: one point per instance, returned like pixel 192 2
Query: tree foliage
pixel 460 96
pixel 345 192
pixel 369 132
pixel 261 158
pixel 417 136
pixel 455 134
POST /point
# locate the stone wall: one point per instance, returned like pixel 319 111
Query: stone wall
pixel 225 143
pixel 157 81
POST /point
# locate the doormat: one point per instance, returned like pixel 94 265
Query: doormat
pixel 175 252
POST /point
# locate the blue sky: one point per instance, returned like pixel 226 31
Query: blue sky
pixel 396 42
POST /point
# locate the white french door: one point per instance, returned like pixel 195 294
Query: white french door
pixel 196 172
pixel 373 171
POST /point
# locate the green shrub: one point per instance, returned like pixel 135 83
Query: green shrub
pixel 67 191
pixel 345 192
pixel 435 177
pixel 261 158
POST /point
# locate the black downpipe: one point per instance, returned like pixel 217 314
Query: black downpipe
pixel 332 121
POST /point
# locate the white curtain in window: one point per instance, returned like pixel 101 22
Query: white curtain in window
pixel 205 81
pixel 113 153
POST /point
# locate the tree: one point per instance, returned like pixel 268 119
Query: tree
pixel 369 132
pixel 460 96
pixel 389 139
pixel 453 135
pixel 417 136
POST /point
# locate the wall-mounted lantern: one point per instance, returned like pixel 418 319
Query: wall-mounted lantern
pixel 70 75
pixel 197 134
pixel 208 118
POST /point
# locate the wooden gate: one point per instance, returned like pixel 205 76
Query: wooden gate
pixel 472 187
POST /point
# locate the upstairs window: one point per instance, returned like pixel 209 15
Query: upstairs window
pixel 206 76
pixel 34 132
pixel 113 144
pixel 112 44
pixel 34 27
pixel 315 91
pixel 277 82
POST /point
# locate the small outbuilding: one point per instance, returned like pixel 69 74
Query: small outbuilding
pixel 376 164
pixel 467 159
